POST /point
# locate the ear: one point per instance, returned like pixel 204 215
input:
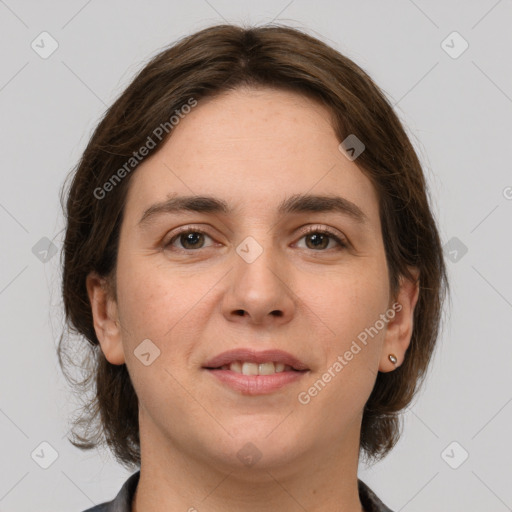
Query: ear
pixel 105 318
pixel 400 326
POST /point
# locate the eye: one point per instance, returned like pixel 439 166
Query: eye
pixel 317 239
pixel 320 237
pixel 189 239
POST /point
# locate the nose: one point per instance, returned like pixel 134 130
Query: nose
pixel 259 291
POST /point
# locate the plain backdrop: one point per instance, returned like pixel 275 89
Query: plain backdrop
pixel 454 94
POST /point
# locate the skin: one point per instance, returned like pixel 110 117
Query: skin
pixel 251 148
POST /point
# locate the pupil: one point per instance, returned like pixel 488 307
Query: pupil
pixel 192 238
pixel 317 239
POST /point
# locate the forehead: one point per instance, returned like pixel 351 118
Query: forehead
pixel 251 148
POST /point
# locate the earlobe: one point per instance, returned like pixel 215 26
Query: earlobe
pixel 105 318
pixel 400 327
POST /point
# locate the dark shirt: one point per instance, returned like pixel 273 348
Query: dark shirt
pixel 123 501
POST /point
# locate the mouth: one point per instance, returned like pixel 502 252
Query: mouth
pixel 251 368
pixel 254 373
pixel 252 362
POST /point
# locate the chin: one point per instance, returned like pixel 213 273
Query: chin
pixel 261 445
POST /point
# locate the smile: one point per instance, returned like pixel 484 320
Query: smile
pixel 249 368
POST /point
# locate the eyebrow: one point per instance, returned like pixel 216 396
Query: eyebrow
pixel 298 203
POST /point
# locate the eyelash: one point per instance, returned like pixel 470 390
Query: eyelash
pixel 311 229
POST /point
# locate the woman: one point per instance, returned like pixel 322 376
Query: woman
pixel 251 256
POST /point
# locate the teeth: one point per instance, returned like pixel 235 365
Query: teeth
pixel 236 366
pixel 247 368
pixel 266 369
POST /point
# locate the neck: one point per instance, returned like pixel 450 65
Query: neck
pixel 173 479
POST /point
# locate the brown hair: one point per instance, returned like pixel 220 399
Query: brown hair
pixel 212 61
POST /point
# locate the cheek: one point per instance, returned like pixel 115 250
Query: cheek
pixel 149 305
pixel 350 310
pixel 348 302
pixel 161 305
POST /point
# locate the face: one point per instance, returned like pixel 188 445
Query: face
pixel 273 272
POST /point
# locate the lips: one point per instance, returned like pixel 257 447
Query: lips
pixel 252 372
pixel 277 357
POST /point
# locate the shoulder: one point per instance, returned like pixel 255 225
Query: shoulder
pixel 103 507
pixel 123 501
pixel 370 501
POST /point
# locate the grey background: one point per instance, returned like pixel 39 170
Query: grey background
pixel 458 112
